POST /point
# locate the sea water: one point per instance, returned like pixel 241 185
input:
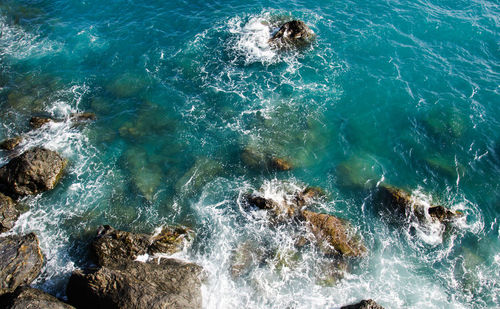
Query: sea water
pixel 399 92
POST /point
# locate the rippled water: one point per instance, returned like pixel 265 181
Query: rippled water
pixel 402 92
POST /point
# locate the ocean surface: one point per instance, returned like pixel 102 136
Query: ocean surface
pixel 399 92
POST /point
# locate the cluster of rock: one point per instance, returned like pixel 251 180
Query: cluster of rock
pixel 121 281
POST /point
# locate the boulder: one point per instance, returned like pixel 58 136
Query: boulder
pixel 37 122
pixel 401 202
pixel 35 171
pixel 292 34
pixel 11 143
pixel 364 304
pixel 167 284
pixel 335 236
pixel 8 213
pixel 26 297
pixel 20 261
pixel 113 247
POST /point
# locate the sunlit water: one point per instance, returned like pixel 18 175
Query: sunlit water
pixel 402 92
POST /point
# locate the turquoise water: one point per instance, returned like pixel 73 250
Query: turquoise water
pixel 403 92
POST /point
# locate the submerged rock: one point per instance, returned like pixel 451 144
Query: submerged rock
pixel 402 203
pixel 26 297
pixel 11 143
pixel 446 123
pixel 82 117
pixel 334 235
pixel 202 172
pixel 37 122
pixel 168 283
pixel 246 255
pixel 114 247
pixel 20 261
pixel 126 85
pixel 364 304
pixel 358 172
pixel 292 34
pixel 35 171
pixel 261 160
pixel 8 213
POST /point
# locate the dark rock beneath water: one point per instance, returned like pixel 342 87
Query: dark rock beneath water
pixel 30 298
pixel 167 284
pixel 292 34
pixel 401 202
pixel 20 261
pixel 82 117
pixel 261 160
pixel 35 171
pixel 280 164
pixel 37 122
pixel 364 304
pixel 8 213
pixel 11 143
pixel 113 247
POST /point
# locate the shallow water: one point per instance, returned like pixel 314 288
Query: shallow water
pixel 401 92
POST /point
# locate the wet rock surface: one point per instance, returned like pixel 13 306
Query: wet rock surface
pixel 20 261
pixel 114 247
pixel 168 283
pixel 8 213
pixel 36 122
pixel 292 34
pixel 11 143
pixel 364 304
pixel 35 171
pixel 26 297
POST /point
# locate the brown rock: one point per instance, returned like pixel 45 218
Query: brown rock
pixel 37 122
pixel 11 143
pixel 29 298
pixel 8 213
pixel 280 164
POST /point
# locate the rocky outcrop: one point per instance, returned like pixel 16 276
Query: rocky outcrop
pixel 168 283
pixel 11 143
pixel 333 235
pixel 35 171
pixel 8 213
pixel 20 261
pixel 364 304
pixel 112 247
pixel 26 297
pixel 292 34
pixel 401 202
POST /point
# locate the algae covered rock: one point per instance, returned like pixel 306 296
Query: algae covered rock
pixel 168 283
pixel 30 298
pixel 34 171
pixel 20 261
pixel 8 213
pixel 292 34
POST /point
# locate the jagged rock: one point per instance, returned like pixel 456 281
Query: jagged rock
pixel 364 304
pixel 402 203
pixel 167 284
pixel 114 247
pixel 292 34
pixel 8 213
pixel 20 261
pixel 35 171
pixel 30 298
pixel 334 235
pixel 11 143
pixel 37 122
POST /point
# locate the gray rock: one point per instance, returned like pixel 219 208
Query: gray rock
pixel 114 247
pixel 20 261
pixel 167 284
pixel 364 304
pixel 35 171
pixel 29 298
pixel 8 213
pixel 292 34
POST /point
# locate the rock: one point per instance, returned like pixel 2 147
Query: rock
pixel 82 117
pixel 246 255
pixel 37 122
pixel 202 172
pixel 334 235
pixel 401 202
pixel 113 247
pixel 167 284
pixel 280 164
pixel 8 213
pixel 26 297
pixel 11 143
pixel 329 272
pixel 35 171
pixel 292 34
pixel 261 160
pixel 358 172
pixel 126 85
pixel 20 261
pixel 281 211
pixel 364 304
